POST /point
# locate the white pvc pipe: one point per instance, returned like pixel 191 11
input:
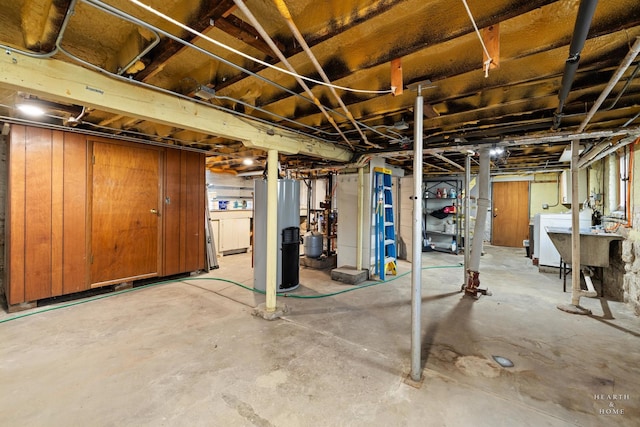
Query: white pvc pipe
pixel 416 256
pixel 360 219
pixel 272 230
pixel 613 193
pixel 481 215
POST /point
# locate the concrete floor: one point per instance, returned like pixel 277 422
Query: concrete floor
pixel 191 353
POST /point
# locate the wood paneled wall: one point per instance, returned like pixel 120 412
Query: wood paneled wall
pixel 184 210
pixel 48 221
pixel 46 215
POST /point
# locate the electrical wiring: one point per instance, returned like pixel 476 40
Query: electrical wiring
pixel 218 279
pixel 249 57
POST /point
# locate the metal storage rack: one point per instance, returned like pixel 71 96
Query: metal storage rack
pixel 442 217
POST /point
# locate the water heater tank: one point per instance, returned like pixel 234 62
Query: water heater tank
pixel 313 244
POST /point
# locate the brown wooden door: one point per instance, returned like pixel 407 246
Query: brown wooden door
pixel 510 213
pixel 184 209
pixel 125 219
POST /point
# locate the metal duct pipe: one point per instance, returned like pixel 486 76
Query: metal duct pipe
pixel 580 32
pixel 473 271
pixel 416 243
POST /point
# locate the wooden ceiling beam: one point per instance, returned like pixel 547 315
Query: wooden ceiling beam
pixel 169 47
pixel 244 32
pixel 406 50
pixel 64 82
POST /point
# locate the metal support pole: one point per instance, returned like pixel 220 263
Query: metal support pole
pixel 416 256
pixel 272 230
pixel 360 219
pixel 575 225
pixel 467 215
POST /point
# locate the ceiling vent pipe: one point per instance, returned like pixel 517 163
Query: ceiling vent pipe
pixel 580 32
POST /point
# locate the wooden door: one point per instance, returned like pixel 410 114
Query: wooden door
pixel 510 213
pixel 125 221
pixel 184 204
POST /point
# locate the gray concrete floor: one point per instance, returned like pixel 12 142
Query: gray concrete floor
pixel 191 353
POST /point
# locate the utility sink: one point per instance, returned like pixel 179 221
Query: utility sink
pixel 594 246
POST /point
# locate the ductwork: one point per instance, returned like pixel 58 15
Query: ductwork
pixel 580 32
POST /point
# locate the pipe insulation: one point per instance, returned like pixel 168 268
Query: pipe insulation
pixel 416 242
pixel 483 206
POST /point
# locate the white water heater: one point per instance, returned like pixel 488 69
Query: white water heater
pixel 288 245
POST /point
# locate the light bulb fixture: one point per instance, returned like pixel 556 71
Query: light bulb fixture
pixel 30 109
pixel 247 161
pixel 496 151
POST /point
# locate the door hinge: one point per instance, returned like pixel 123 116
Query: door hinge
pixel 93 159
pixel 91 259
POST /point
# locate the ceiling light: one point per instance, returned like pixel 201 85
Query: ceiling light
pixel 30 109
pixel 496 151
pixel 247 161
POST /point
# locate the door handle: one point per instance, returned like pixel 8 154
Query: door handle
pixel 155 212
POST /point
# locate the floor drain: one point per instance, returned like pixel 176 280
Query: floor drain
pixel 503 361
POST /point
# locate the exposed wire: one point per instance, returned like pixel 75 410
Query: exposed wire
pixel 487 63
pixel 249 57
pixel 218 279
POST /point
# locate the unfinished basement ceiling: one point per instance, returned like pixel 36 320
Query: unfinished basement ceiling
pixel 357 44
